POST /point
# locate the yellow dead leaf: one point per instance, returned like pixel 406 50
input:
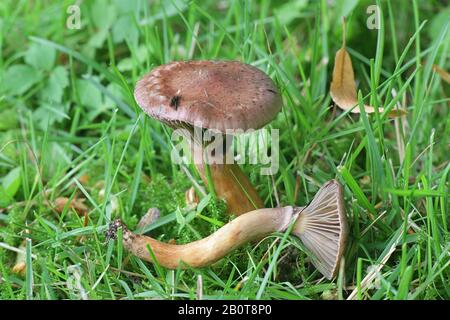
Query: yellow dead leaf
pixel 77 204
pixel 20 265
pixel 343 87
pixel 365 180
pixel 19 268
pixel 151 216
pixel 191 197
pixel 442 73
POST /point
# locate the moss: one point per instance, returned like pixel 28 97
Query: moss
pixel 9 233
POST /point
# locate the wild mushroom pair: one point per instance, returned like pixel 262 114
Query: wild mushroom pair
pixel 223 95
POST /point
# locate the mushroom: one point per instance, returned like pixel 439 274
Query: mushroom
pixel 222 96
pixel 321 226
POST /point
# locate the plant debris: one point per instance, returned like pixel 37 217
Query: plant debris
pixel 343 87
pixel 76 203
pixel 150 217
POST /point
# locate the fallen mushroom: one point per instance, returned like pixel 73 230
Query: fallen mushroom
pixel 321 226
pixel 216 95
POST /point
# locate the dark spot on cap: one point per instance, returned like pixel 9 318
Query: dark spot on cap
pixel 175 102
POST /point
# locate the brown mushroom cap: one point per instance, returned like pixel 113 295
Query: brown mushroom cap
pixel 217 95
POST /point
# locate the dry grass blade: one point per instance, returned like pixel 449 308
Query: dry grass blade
pixel 371 276
pixel 199 291
pixel 20 265
pixel 343 87
pixel 442 73
pixel 76 203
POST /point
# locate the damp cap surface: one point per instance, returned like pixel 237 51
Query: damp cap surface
pixel 220 95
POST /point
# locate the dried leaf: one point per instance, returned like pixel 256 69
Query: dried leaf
pixel 379 205
pixel 20 265
pixel 19 268
pixel 84 179
pixel 343 87
pixel 151 216
pixel 191 197
pixel 77 204
pixel 240 283
pixel 199 291
pixel 442 73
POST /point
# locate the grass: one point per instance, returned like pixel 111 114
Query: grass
pixel 69 127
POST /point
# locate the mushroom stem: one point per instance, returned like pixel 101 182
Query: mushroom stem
pixel 232 185
pixel 248 227
pixel 230 182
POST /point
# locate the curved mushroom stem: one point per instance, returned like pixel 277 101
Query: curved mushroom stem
pixel 321 226
pixel 200 253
